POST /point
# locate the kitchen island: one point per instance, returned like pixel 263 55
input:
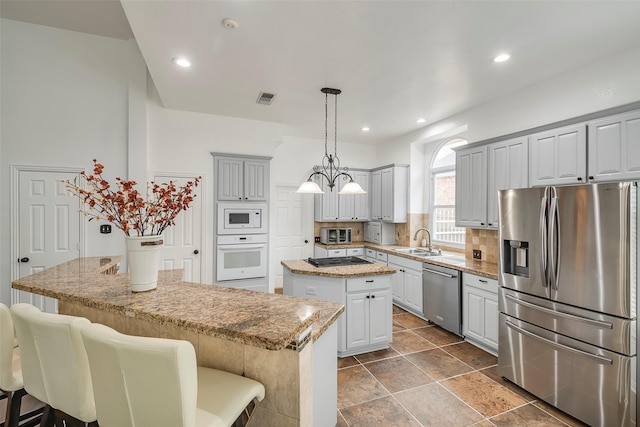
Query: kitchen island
pixel 281 341
pixel 365 290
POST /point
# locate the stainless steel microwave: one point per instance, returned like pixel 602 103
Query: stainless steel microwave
pixel 242 218
pixel 335 236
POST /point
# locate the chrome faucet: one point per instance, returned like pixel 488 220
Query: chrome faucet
pixel 415 237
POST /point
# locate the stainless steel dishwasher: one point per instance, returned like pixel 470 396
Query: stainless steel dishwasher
pixel 441 297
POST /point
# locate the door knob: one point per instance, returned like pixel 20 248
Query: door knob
pixel 306 241
pixel 25 259
pixel 196 252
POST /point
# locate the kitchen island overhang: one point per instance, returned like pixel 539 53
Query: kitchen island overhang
pixel 262 336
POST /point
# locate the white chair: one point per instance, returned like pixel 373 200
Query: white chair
pixel 146 382
pixel 11 375
pixel 55 365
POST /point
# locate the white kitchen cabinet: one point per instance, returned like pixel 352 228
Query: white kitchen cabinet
pixel 369 321
pixel 320 252
pixel 507 168
pixel 406 284
pixel 471 187
pixel 355 251
pixel 242 179
pixel 480 311
pixel 331 206
pixel 376 194
pixel 393 193
pixel 614 148
pixel 558 156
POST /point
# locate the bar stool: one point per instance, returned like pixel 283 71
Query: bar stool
pixel 142 381
pixel 56 369
pixel 11 375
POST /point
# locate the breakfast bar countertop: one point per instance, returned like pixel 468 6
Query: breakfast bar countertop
pixel 268 321
pixel 300 266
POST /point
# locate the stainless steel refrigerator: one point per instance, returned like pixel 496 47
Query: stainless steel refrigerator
pixel 568 285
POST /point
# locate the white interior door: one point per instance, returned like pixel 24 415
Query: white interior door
pixel 48 224
pixel 293 228
pixel 182 247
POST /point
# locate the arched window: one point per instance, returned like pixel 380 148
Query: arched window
pixel 443 186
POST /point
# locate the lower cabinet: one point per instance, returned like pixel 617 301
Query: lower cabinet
pixel 480 311
pixel 367 323
pixel 406 284
pixel 319 252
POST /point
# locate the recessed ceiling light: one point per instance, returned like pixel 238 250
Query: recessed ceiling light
pixel 421 120
pixel 365 129
pixel 182 62
pixel 502 57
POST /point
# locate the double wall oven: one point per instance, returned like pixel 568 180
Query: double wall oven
pixel 241 241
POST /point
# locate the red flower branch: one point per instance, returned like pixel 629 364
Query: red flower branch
pixel 123 205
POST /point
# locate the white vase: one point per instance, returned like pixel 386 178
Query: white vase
pixel 142 257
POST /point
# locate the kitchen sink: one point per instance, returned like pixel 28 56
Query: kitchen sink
pixel 418 252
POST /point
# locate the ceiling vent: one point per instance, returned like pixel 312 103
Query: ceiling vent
pixel 265 98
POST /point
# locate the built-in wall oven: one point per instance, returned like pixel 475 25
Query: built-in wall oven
pixel 242 256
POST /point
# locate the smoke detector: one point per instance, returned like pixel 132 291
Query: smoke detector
pixel 229 24
pixel 265 98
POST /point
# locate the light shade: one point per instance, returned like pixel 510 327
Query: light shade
pixel 310 187
pixel 352 187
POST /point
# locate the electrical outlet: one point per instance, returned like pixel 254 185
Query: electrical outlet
pixel 477 254
pixel 105 229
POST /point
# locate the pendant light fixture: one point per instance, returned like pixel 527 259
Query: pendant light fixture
pixel 330 168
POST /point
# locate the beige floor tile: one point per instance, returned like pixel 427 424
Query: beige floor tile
pixel 410 321
pixel 492 372
pixel 345 362
pixel 376 355
pixel 528 415
pixel 483 394
pixel 357 385
pixel 384 412
pixel 437 335
pixel 397 374
pixel 434 405
pixel 471 355
pixel 438 364
pixel 566 418
pixel 408 342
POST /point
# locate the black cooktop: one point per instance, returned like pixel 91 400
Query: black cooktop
pixel 337 261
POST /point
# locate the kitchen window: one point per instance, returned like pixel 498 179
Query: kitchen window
pixel 443 186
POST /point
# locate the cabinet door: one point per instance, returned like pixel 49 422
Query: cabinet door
pixel 328 202
pixel 256 180
pixel 361 208
pixel 380 321
pixel 508 168
pixel 376 194
pixel 473 313
pixel 230 179
pixel 558 156
pixel 471 187
pixel 491 313
pixel 346 202
pixel 397 283
pixel 413 289
pixel 386 194
pixel 614 148
pixel 357 313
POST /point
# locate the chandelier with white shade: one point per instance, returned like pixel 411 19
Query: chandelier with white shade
pixel 330 168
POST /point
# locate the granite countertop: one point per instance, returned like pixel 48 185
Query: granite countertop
pixel 262 320
pixel 301 266
pixel 447 259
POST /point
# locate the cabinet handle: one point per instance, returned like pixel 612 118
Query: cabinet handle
pixel 489 224
pixel 590 177
pixel 373 296
pixel 579 178
pixel 482 223
pixel 482 281
pixel 368 296
pixel 370 281
pixel 239 198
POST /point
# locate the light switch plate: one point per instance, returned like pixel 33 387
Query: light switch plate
pixel 477 254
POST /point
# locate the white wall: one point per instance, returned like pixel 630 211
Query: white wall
pixel 601 85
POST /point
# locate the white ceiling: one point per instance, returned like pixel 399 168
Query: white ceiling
pixel 394 61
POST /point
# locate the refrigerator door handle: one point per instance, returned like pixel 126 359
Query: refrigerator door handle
pixel 598 323
pixel 554 241
pixel 600 359
pixel 543 238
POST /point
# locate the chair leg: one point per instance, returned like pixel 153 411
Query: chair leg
pixel 48 417
pixel 14 399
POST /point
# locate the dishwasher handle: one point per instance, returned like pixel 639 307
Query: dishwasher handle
pixel 428 270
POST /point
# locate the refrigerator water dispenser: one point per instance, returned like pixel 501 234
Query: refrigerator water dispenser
pixel 516 257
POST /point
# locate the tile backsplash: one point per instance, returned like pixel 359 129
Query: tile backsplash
pixel 484 240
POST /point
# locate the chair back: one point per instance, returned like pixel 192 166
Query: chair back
pixel 10 370
pixel 141 381
pixel 56 369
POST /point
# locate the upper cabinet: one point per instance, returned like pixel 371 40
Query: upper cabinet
pixel 242 179
pixel 483 170
pixel 614 148
pixel 471 187
pixel 389 189
pixel 558 156
pixel 332 206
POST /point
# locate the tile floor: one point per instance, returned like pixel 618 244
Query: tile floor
pixel 430 377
